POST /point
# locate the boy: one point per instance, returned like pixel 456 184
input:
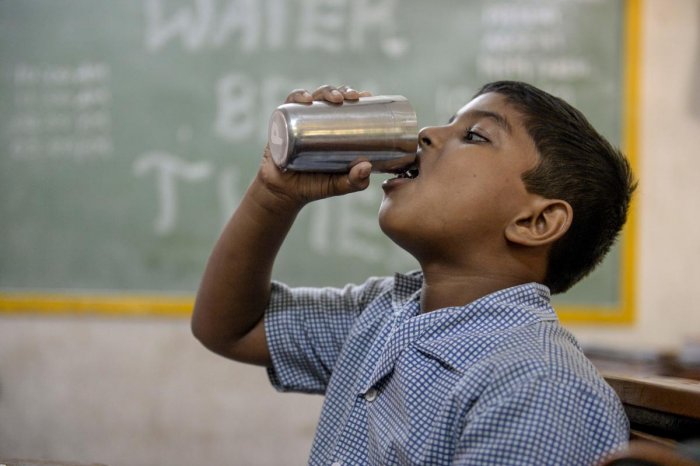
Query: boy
pixel 463 362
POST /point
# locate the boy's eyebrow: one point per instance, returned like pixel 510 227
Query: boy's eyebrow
pixel 497 117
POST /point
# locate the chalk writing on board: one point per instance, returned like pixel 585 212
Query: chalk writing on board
pixel 169 169
pixel 61 112
pixel 348 228
pixel 244 103
pixel 516 14
pixel 235 120
pixel 529 42
pixel 332 26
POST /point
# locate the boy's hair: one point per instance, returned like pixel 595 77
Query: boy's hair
pixel 577 165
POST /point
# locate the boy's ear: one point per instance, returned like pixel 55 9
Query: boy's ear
pixel 542 223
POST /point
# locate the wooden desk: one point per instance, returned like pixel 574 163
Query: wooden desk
pixel 662 409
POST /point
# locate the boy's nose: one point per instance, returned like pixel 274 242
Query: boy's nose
pixel 427 137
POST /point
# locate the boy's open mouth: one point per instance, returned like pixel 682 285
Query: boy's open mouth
pixel 410 172
pixel 404 174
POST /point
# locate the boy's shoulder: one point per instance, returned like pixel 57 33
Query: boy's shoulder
pixel 509 339
pixel 542 357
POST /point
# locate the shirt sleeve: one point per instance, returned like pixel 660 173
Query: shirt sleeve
pixel 544 422
pixel 306 328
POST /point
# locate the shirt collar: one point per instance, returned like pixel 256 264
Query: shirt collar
pixel 406 288
pixel 501 309
pixel 511 307
pixel 459 336
pixel 438 333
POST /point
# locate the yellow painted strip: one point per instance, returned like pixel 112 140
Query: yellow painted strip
pixel 55 303
pixel 594 316
pixel 633 61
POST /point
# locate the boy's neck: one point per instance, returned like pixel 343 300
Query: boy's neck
pixel 445 288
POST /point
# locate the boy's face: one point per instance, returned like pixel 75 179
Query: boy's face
pixel 469 186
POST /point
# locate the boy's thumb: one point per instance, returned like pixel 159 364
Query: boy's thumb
pixel 358 177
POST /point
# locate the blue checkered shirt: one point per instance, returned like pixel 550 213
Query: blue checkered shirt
pixel 495 382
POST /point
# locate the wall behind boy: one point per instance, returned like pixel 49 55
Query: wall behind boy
pixel 143 392
pixel 668 246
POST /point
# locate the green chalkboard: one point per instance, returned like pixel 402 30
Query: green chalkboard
pixel 129 130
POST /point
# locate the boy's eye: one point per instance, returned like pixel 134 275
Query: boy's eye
pixel 472 136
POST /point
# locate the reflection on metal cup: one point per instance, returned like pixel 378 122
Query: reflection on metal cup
pixel 327 137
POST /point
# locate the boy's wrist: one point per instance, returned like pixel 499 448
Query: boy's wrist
pixel 273 201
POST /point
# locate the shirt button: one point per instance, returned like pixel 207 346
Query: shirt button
pixel 371 394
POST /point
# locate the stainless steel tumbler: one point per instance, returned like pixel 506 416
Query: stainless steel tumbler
pixel 327 137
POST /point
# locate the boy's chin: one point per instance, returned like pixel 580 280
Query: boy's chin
pixel 391 213
pixel 387 218
pixel 400 232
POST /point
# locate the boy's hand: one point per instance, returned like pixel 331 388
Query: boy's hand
pixel 295 189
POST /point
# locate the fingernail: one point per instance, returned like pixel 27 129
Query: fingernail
pixel 365 170
pixel 336 93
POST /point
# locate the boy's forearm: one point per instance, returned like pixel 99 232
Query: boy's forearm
pixel 235 287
